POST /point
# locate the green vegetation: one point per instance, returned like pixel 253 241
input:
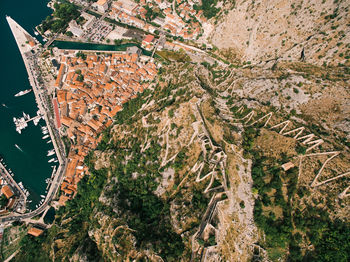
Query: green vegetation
pixel 80 78
pixel 179 56
pixel 32 245
pixel 144 212
pixel 113 21
pixel 11 239
pixel 208 7
pixel 3 201
pixel 152 13
pixel 69 33
pixel 285 224
pixel 130 108
pixel 138 207
pixel 64 13
pixel 81 55
pixel 79 210
pixel 67 144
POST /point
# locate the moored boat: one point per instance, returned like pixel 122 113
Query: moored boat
pixel 22 93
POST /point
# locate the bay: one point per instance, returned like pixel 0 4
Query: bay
pixel 29 163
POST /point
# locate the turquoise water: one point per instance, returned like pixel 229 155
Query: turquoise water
pixel 29 165
pixel 95 47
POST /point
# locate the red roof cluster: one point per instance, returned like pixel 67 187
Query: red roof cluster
pixel 92 92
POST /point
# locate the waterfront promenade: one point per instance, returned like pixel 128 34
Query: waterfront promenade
pixel 30 56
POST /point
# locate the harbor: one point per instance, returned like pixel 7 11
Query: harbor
pixel 29 55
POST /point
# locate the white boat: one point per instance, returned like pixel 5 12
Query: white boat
pixel 26 116
pixel 22 93
pixel 49 141
pixel 51 152
pixel 35 32
pixel 45 132
pixel 36 121
pixel 20 149
pixel 42 196
pixel 51 160
pixel 20 124
pixel 46 136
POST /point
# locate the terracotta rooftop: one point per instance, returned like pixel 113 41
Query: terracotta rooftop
pixel 7 191
pixel 35 231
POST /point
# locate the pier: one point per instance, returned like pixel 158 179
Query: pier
pixel 29 55
pixel 22 122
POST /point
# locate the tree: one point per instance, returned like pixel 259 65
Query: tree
pixel 3 201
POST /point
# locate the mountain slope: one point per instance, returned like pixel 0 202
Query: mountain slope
pixel 314 31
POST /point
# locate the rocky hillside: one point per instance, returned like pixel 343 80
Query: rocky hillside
pixel 314 31
pixel 195 169
pixel 225 162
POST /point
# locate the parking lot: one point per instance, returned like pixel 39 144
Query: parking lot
pixel 98 32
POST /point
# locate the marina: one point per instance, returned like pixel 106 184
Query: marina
pixel 22 122
pixel 24 165
pixel 29 55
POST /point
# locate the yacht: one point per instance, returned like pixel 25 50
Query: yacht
pixel 22 93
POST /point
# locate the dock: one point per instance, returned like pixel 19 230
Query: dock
pixel 22 122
